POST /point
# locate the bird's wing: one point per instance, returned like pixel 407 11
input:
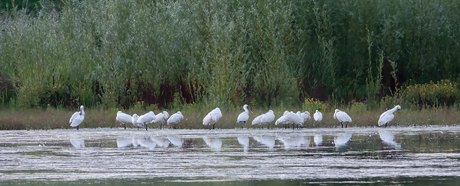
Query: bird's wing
pixel 207 120
pixel 385 119
pixel 74 115
pixel 76 119
pixel 383 115
pixel 256 120
pixel 344 117
pixel 242 117
pixel 281 120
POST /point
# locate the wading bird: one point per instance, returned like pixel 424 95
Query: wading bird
pixel 212 117
pixel 145 119
pixel 124 118
pixel 387 116
pixel 305 115
pixel 175 118
pixel 77 118
pixel 266 118
pixel 244 116
pixel 134 119
pixel 318 116
pixel 161 118
pixel 342 117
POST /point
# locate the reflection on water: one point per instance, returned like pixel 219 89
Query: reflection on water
pixel 212 142
pixel 318 139
pixel 373 156
pixel 176 140
pixel 295 142
pixel 244 141
pixel 146 142
pixel 267 141
pixel 161 142
pixel 77 143
pixel 341 139
pixel 389 138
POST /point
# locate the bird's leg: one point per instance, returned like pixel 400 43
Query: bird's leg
pixel 341 124
pixel 386 124
pixel 124 124
pixel 78 126
pixel 145 127
pixel 161 124
pixel 213 126
pixel 346 124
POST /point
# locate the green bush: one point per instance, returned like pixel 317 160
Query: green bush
pixel 431 94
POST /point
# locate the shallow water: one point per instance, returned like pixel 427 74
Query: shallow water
pixel 392 155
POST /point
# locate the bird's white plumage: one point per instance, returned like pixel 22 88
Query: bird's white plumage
pixel 161 117
pixel 318 116
pixel 123 118
pixel 388 115
pixel 134 119
pixel 244 116
pixel 212 117
pixel 175 118
pixel 341 116
pixel 305 115
pixel 290 117
pixel 146 118
pixel 264 118
pixel 77 118
pixel 281 121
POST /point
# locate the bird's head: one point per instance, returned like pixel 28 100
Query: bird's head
pixel 398 107
pixel 81 107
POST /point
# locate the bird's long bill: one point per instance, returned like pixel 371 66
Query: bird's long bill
pixel 250 110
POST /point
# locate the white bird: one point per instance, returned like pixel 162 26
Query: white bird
pixel 305 115
pixel 161 118
pixel 282 119
pixel 342 117
pixel 387 116
pixel 134 119
pixel 244 116
pixel 77 118
pixel 318 116
pixel 123 118
pixel 145 119
pixel 175 118
pixel 212 117
pixel 264 118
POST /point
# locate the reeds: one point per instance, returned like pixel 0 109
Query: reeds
pixel 113 54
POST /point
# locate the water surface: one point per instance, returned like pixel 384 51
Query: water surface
pixel 231 156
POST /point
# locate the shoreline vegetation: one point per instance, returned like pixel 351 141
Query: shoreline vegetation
pixel 362 57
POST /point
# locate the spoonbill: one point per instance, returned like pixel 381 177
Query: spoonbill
pixel 264 118
pixel 123 118
pixel 342 117
pixel 387 116
pixel 77 118
pixel 212 117
pixel 318 116
pixel 161 118
pixel 145 119
pixel 175 118
pixel 134 119
pixel 244 116
pixel 305 115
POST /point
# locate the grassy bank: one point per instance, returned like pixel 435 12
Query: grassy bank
pixel 34 119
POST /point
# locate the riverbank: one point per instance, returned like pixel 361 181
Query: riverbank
pixel 38 119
